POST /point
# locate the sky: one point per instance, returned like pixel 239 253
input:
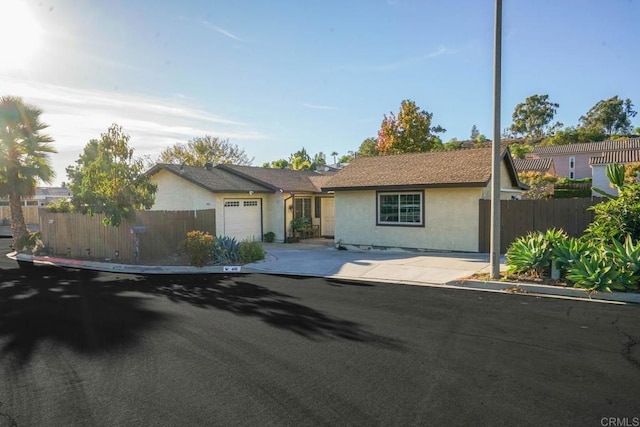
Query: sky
pixel 276 76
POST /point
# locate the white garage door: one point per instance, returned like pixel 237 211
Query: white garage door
pixel 243 219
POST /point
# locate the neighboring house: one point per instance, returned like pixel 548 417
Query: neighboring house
pixel 427 201
pixel 599 168
pixel 249 201
pixel 543 166
pixel 572 160
pixel 42 197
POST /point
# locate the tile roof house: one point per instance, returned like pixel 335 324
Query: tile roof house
pixel 544 165
pixel 425 201
pixel 599 164
pixel 249 201
pixel 572 160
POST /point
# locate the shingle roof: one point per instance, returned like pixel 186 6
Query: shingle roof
pixel 538 165
pixel 286 179
pixel 462 168
pixel 589 147
pixel 233 178
pixel 213 179
pixel 627 156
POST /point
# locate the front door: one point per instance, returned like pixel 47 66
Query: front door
pixel 327 215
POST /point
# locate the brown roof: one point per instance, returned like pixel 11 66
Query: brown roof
pixel 213 179
pixel 232 178
pixel 538 165
pixel 589 147
pixel 286 180
pixel 627 156
pixel 460 168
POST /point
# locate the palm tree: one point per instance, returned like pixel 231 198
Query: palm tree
pixel 24 157
pixel 334 154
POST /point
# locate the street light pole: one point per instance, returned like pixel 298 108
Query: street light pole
pixel 496 161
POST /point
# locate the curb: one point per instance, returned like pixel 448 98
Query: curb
pixel 123 268
pixel 531 289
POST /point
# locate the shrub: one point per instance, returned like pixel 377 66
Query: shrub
pixel 250 251
pixel 226 250
pixel 30 242
pixel 199 246
pixel 531 254
pixel 566 252
pixel 61 206
pixel 269 236
pixel 617 218
pixel 608 268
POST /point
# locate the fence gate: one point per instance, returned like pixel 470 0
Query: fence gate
pixel 518 217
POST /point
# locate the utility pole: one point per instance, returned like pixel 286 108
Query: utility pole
pixel 495 163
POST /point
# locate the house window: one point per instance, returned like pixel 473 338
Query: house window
pixel 572 175
pixel 302 207
pixel 572 163
pixel 400 208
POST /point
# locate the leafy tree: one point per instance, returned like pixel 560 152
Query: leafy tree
pixel 277 164
pixel 319 159
pixel 107 179
pixel 24 157
pixel 347 158
pixel 368 148
pixel 475 133
pixel 636 130
pixel 206 149
pixel 572 135
pixel 410 132
pixel 519 151
pixel 611 116
pixel 452 144
pixel 540 184
pixel 532 117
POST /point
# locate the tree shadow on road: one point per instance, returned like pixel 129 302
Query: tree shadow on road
pixel 237 295
pixel 92 313
pixel 70 308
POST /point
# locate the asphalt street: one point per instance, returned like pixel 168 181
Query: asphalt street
pixel 81 348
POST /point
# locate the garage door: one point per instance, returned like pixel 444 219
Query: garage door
pixel 243 218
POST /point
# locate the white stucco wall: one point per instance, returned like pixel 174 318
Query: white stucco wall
pixel 451 221
pixel 178 194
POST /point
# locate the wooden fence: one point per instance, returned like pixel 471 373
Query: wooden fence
pixel 30 214
pixel 518 217
pixel 82 236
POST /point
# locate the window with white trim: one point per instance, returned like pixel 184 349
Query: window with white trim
pixel 401 208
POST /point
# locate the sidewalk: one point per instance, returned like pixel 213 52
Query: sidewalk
pixel 322 259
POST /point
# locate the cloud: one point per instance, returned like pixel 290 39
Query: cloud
pixel 76 116
pixel 221 30
pixel 392 66
pixel 318 107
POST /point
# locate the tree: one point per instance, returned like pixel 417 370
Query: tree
pixel 611 116
pixel 368 148
pixel 519 151
pixel 571 135
pixel 636 130
pixel 532 116
pixel 107 179
pixel 475 133
pixel 319 159
pixel 452 144
pixel 206 149
pixel 334 154
pixel 409 132
pixel 24 158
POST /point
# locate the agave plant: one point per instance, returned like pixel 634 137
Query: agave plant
pixel 226 250
pixel 531 254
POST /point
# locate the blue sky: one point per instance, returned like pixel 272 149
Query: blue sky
pixel 276 76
